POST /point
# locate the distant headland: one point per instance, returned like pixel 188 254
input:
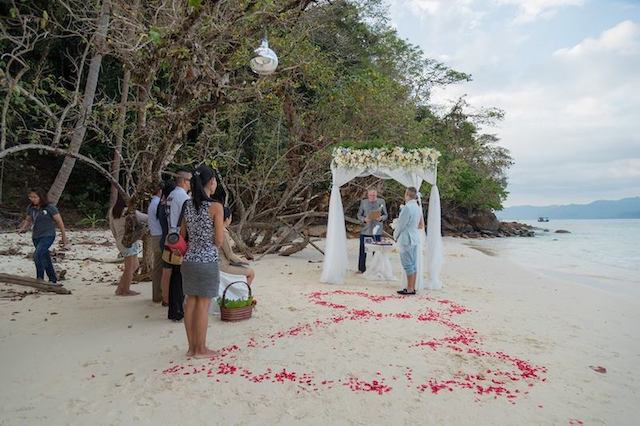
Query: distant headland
pixel 626 208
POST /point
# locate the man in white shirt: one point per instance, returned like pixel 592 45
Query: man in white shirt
pixel 171 276
pixel 155 229
pixel 177 198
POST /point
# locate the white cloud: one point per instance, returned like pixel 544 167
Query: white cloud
pixel 571 114
pixel 432 7
pixel 530 10
pixel 428 6
pixel 624 39
pixel 571 125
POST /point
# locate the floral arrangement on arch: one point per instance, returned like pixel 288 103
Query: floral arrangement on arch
pixel 388 157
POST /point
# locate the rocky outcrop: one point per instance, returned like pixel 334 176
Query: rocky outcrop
pixel 481 224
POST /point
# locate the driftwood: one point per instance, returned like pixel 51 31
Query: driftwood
pixel 295 248
pixel 304 237
pixel 283 238
pixel 286 244
pixel 31 282
pixel 292 225
pixel 95 259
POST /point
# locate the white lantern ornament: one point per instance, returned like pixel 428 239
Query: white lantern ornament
pixel 266 61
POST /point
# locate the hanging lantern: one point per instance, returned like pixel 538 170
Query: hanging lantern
pixel 266 61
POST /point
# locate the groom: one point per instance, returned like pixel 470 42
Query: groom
pixel 407 236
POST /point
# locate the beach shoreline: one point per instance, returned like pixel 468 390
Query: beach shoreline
pixel 93 358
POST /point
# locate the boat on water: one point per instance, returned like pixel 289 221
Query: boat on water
pixel 543 219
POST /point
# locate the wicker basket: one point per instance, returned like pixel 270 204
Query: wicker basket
pixel 235 314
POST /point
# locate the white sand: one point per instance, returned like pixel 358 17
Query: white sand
pixel 100 359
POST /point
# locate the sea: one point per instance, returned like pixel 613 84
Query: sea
pixel 603 253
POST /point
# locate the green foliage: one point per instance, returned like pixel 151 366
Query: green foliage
pixel 345 78
pixel 92 221
pixel 90 200
pixel 239 303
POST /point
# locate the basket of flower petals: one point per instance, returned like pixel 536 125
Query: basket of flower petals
pixel 236 310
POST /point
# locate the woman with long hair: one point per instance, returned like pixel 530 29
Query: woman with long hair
pixel 43 216
pixel 117 221
pixel 203 225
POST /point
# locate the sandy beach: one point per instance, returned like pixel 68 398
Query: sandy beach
pixel 500 344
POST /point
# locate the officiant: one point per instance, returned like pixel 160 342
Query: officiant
pixel 372 215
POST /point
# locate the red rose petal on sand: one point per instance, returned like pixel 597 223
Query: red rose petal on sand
pixel 463 340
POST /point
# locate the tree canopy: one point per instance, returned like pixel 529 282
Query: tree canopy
pixel 174 89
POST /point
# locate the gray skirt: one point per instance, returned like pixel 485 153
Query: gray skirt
pixel 200 279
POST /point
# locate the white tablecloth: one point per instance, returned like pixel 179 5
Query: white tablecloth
pixel 378 263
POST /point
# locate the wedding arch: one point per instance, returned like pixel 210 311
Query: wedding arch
pixel 410 167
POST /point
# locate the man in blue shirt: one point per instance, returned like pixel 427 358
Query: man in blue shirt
pixel 407 236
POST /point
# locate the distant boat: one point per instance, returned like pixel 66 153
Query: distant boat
pixel 543 219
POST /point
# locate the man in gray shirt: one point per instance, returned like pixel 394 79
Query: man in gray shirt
pixel 370 207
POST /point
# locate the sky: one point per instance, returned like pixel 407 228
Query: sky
pixel 567 75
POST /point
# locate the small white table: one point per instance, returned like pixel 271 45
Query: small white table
pixel 378 263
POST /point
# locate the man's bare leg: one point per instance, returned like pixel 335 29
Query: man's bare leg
pixel 165 281
pixel 411 282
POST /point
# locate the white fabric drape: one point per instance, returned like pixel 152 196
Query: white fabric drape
pixel 435 257
pixel 336 259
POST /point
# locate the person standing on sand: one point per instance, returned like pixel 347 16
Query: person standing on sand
pixel 407 236
pixel 372 214
pixel 117 221
pixel 174 205
pixel 203 224
pixel 162 214
pixel 43 217
pixel 177 198
pixel 155 230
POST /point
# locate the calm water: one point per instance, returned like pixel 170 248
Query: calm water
pixel 602 253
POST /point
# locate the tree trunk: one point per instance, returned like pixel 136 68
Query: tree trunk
pixel 87 104
pixel 122 120
pixel 3 126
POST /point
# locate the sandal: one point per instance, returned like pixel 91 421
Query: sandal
pixel 406 292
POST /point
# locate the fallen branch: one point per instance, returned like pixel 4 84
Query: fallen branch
pixel 295 248
pixel 282 239
pixel 32 282
pixel 305 242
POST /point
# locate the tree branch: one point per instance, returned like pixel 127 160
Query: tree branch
pixel 61 152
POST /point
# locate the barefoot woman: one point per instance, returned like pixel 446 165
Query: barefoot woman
pixel 203 223
pixel 117 221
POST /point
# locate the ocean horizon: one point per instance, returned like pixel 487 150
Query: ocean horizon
pixel 602 253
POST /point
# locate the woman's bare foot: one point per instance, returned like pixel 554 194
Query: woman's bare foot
pixel 190 352
pixel 126 293
pixel 207 353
